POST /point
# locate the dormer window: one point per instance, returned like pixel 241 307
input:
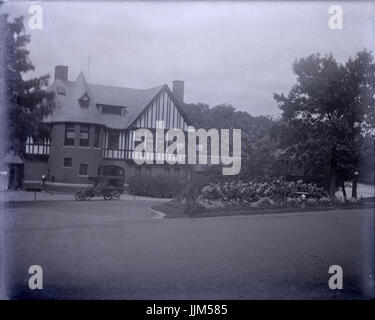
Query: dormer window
pixel 84 101
pixel 109 109
pixel 60 91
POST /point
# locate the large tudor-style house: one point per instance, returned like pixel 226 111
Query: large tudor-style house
pixel 92 131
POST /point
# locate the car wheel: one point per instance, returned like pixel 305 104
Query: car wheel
pixel 79 196
pixel 116 195
pixel 107 197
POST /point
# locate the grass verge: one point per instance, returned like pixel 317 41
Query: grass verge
pixel 172 211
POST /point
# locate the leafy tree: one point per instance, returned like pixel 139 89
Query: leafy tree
pixel 28 101
pixel 257 145
pixel 327 113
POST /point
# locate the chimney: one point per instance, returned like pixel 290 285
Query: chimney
pixel 178 90
pixel 61 72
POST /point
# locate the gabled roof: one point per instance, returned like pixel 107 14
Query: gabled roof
pixel 68 109
pixel 135 101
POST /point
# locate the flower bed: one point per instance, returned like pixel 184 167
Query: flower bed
pixel 263 192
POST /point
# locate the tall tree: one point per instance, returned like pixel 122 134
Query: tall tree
pixel 327 113
pixel 28 101
pixel 257 145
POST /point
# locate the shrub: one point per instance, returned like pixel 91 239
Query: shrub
pixel 210 204
pixel 311 202
pixel 325 201
pixel 264 203
pixel 155 186
pixel 291 202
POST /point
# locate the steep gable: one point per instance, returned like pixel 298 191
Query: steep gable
pixel 163 107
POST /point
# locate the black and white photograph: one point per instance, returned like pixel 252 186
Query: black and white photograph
pixel 187 151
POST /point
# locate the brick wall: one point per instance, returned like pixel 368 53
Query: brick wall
pixel 55 170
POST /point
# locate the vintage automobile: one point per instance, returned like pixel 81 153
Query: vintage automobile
pixel 108 187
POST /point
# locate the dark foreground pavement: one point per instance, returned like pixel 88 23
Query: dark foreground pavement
pixel 115 250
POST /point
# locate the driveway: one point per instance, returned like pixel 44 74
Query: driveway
pixel 116 250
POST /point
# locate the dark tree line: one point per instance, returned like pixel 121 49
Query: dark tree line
pixel 258 147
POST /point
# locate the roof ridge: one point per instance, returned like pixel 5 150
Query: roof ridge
pixel 107 85
pixel 142 96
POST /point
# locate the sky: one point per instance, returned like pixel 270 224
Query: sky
pixel 238 53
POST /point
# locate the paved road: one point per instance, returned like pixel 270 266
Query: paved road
pixel 116 250
pixel 21 196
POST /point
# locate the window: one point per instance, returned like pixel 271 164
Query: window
pixel 177 171
pixel 84 101
pixel 67 162
pixel 60 91
pixel 167 171
pixel 84 136
pixel 113 139
pixel 148 171
pixel 69 134
pixel 83 169
pixel 138 171
pixel 96 136
pixel 118 110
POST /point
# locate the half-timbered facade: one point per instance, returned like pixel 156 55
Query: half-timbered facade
pixel 92 129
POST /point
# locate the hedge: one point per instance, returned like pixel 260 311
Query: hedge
pixel 155 186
